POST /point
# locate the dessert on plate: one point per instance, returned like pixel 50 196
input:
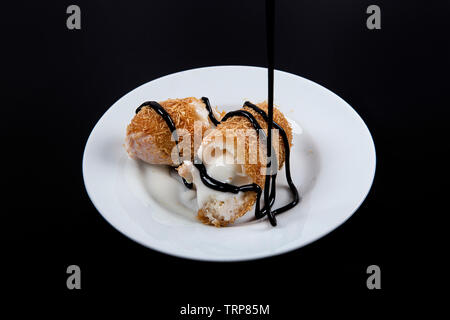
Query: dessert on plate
pixel 229 166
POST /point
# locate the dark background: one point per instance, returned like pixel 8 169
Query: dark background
pixel 56 84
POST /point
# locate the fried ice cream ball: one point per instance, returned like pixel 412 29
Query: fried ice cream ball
pixel 224 162
pixel 148 137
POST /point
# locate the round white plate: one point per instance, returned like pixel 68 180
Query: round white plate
pixel 332 162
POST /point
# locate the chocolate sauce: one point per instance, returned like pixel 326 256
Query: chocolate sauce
pixel 163 113
pixel 270 181
pixel 210 112
pixel 287 152
pixel 270 175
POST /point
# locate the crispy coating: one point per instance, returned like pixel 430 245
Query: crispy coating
pixel 148 136
pixel 252 170
pixel 249 201
pixel 235 124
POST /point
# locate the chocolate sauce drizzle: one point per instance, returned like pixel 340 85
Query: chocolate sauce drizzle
pixel 210 112
pixel 269 189
pixel 212 183
pixel 270 181
pixel 163 113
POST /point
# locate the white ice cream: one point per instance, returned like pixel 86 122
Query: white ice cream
pixel 223 169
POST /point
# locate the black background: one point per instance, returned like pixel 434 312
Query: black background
pixel 56 84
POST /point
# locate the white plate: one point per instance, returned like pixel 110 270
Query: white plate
pixel 332 160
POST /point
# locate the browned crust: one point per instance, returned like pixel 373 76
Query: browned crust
pixel 252 170
pixel 249 201
pixel 280 119
pixel 241 123
pixel 148 123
